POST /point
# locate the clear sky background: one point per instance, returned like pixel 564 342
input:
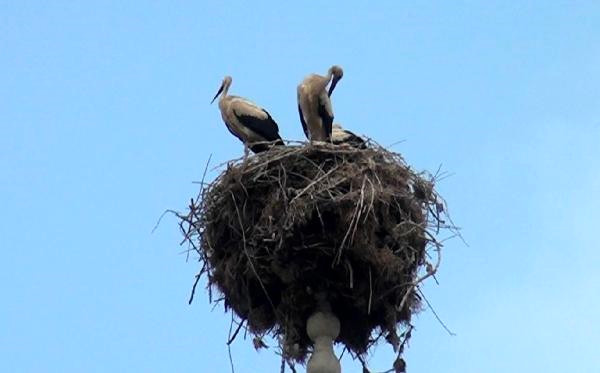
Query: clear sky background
pixel 105 122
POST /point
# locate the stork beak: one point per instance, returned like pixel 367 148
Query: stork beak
pixel 218 93
pixel 334 81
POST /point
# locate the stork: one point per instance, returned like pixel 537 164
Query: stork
pixel 342 136
pixel 250 123
pixel 314 104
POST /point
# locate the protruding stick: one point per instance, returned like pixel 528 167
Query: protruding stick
pixel 323 328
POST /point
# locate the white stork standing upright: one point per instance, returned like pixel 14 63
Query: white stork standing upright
pixel 314 104
pixel 340 136
pixel 247 121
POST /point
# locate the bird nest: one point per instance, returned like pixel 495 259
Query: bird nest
pixel 277 228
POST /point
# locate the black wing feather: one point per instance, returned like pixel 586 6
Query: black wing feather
pixel 233 132
pixel 304 128
pixel 267 128
pixel 326 118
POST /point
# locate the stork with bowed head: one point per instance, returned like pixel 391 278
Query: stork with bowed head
pixel 250 123
pixel 314 104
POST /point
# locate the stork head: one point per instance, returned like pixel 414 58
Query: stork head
pixel 224 87
pixel 337 73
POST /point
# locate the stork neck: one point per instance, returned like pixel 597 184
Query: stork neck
pixel 225 90
pixel 325 80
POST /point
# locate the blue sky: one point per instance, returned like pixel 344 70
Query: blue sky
pixel 105 122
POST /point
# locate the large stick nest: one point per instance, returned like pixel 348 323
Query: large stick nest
pixel 277 228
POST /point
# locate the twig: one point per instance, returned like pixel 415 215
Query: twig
pixel 237 330
pixel 248 255
pixel 352 226
pixel 351 273
pixel 160 218
pixel 291 366
pixel 395 143
pixel 430 272
pixel 194 287
pixel 362 362
pixel 313 183
pixel 204 175
pixel 435 313
pixel 342 354
pixel 229 346
pixel 282 367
